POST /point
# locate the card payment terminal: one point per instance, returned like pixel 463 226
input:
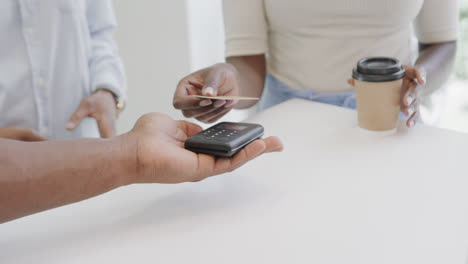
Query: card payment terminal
pixel 224 139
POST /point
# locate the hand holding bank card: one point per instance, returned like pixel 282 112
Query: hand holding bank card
pixel 240 98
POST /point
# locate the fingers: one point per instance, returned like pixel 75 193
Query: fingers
pixel 413 120
pixel 100 106
pixel 351 82
pixel 207 113
pixel 410 103
pixel 33 136
pixel 253 150
pixel 256 148
pixel 250 152
pixel 106 126
pixel 231 103
pixel 209 165
pixel 416 73
pixel 83 111
pixel 189 103
pixel 408 111
pixel 205 102
pixel 410 92
pixel 214 116
pixel 219 103
pixel 210 77
pixel 220 79
pixel 191 85
pixel 219 116
pixel 21 134
pixel 212 82
pixel 199 112
pixel 273 144
pixel 184 101
pixel 422 76
pixel 209 91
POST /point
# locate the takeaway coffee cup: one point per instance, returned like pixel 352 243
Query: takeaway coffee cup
pixel 378 91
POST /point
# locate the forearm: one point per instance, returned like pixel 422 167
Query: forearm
pixel 252 73
pixel 105 64
pixel 40 176
pixel 437 60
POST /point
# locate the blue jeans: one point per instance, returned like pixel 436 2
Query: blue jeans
pixel 277 92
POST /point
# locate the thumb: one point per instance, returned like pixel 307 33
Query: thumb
pixel 106 127
pixel 82 112
pixel 212 81
pixel 189 129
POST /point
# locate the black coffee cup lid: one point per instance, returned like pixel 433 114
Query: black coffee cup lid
pixel 378 69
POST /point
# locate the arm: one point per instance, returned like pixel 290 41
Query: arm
pixel 431 71
pixel 246 34
pixel 251 76
pixel 436 28
pixel 39 176
pixel 437 60
pixel 108 81
pixel 106 67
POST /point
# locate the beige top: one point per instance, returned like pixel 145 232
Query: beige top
pixel 313 44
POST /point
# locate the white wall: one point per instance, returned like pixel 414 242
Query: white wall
pixel 206 32
pixel 206 37
pixel 153 41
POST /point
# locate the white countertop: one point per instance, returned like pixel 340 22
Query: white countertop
pixel 335 195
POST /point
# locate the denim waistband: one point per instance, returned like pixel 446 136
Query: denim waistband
pixel 277 92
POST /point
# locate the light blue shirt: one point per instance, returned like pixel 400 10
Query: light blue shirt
pixel 53 54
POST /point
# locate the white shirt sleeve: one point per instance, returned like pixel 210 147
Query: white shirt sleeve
pixel 438 21
pixel 246 27
pixel 106 67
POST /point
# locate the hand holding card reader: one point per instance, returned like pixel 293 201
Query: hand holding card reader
pixel 224 139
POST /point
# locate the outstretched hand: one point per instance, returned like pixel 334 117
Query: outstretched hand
pixel 161 157
pixel 100 106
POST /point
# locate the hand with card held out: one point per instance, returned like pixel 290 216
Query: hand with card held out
pixel 218 80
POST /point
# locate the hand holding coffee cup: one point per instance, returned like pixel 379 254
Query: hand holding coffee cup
pixel 384 88
pixel 414 81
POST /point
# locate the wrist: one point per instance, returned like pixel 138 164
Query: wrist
pixel 229 67
pixel 118 100
pixel 104 90
pixel 124 159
